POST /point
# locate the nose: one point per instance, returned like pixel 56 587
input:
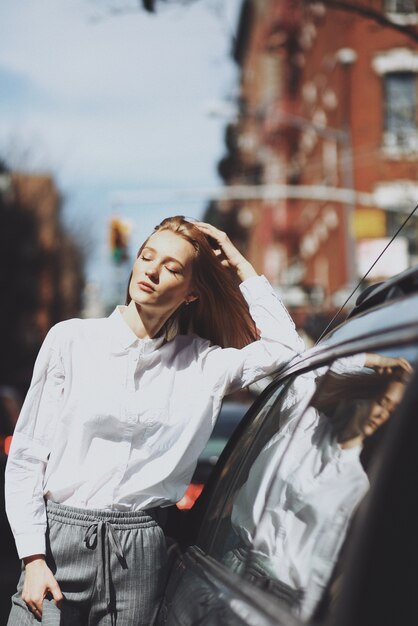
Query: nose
pixel 383 415
pixel 152 271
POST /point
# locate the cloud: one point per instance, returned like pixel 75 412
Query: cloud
pixel 133 57
pixel 120 99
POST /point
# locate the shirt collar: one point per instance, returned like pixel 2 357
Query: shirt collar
pixel 332 451
pixel 345 455
pixel 123 337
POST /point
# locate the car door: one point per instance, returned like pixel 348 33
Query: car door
pixel 271 541
pixel 199 590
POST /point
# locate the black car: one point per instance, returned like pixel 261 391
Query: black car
pixel 311 516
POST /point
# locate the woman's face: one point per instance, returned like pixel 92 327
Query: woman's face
pixel 382 408
pixel 162 274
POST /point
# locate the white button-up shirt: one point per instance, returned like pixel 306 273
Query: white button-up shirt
pixel 114 422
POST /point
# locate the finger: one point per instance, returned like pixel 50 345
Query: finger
pixel 207 226
pixel 56 593
pixel 406 365
pixel 214 232
pixel 36 608
pixel 222 258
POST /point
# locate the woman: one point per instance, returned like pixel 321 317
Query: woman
pixel 357 405
pixel 116 416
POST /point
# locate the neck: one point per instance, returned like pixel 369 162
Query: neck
pixel 351 443
pixel 145 325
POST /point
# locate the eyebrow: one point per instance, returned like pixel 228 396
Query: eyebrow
pixel 392 405
pixel 168 258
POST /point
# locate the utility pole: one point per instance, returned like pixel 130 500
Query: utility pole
pixel 347 57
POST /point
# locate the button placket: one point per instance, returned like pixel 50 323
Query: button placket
pixel 131 409
pixel 130 414
pixel 133 358
pixel 125 445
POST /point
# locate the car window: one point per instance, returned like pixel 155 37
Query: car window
pixel 230 416
pixel 289 507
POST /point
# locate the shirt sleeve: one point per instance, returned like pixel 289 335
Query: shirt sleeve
pixel 30 449
pixel 350 364
pixel 230 368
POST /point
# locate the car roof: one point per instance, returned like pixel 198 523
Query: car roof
pixel 392 289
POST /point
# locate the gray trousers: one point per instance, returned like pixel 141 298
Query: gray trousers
pixel 110 566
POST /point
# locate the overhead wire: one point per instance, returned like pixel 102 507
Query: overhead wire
pixel 368 272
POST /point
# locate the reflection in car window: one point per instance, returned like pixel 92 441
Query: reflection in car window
pixel 217 521
pixel 280 409
pixel 295 496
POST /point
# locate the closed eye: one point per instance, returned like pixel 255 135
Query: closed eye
pixel 172 270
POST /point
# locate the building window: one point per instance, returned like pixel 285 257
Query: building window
pixel 400 6
pixel 400 114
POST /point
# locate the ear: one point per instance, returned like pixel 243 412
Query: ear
pixel 191 298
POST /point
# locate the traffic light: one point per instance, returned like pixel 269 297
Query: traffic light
pixel 119 239
pixel 149 5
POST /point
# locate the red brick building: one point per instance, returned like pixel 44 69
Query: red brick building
pixel 328 109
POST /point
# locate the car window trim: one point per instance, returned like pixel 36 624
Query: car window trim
pixel 319 357
pixel 268 606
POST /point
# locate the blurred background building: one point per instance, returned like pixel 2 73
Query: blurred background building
pixel 41 271
pixel 326 129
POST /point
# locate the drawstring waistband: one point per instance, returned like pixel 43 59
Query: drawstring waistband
pixel 100 535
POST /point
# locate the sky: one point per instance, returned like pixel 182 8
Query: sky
pixel 114 102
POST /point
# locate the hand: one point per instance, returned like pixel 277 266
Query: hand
pixel 387 364
pixel 39 580
pixel 230 256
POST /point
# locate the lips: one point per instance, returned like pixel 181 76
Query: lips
pixel 144 286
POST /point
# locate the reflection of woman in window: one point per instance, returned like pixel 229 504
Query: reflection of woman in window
pixel 357 406
pixel 294 509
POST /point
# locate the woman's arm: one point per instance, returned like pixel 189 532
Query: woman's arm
pixel 31 446
pixel 25 470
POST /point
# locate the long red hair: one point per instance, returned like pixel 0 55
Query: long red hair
pixel 220 314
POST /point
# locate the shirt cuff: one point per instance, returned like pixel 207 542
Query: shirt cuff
pixel 256 287
pixel 359 359
pixel 30 544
